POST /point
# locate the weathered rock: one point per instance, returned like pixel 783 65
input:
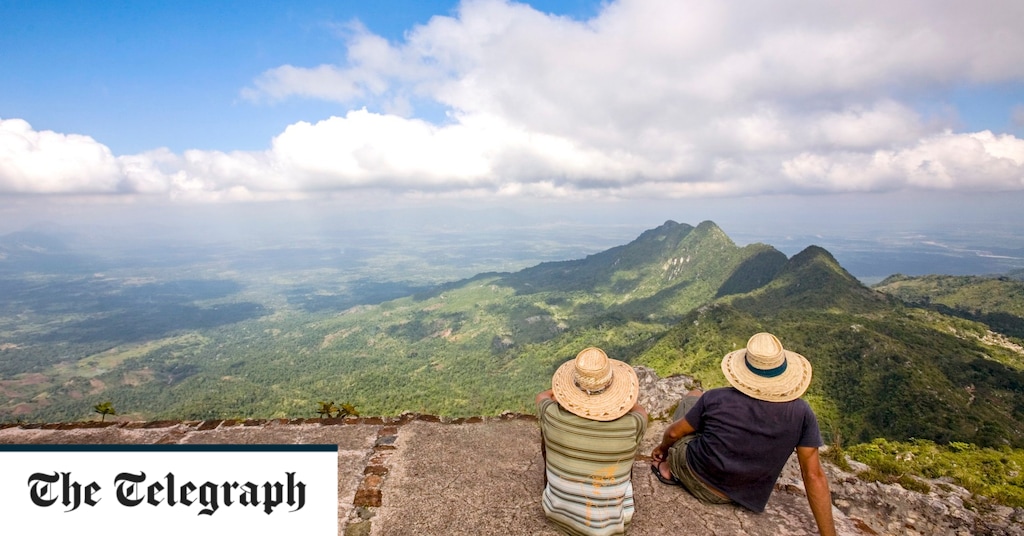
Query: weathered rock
pixel 660 396
pixel 890 509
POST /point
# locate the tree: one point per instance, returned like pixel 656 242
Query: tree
pixel 330 409
pixel 104 409
pixel 326 408
pixel 348 409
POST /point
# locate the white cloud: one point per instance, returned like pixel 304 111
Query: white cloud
pixel 48 162
pixel 323 82
pixel 972 162
pixel 648 99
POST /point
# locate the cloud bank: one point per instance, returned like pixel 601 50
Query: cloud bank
pixel 647 99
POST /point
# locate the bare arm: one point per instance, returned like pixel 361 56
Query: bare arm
pixel 639 409
pixel 818 495
pixel 673 433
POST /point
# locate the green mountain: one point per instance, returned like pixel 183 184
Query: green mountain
pixel 882 368
pixel 677 299
pixel 477 346
pixel 666 271
pixel 995 301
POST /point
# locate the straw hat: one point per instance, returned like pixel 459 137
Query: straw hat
pixel 765 371
pixel 595 387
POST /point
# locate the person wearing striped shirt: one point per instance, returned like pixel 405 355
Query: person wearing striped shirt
pixel 591 427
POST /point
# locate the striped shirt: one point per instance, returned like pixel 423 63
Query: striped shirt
pixel 589 464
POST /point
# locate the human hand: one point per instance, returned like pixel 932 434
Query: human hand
pixel 658 454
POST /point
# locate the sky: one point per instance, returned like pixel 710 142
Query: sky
pixel 800 111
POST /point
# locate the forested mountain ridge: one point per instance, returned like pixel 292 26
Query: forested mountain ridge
pixel 665 271
pixel 881 368
pixel 477 346
pixel 997 301
pixel 676 298
pixel 814 280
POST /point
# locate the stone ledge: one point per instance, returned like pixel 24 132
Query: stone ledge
pixel 484 476
pixel 211 424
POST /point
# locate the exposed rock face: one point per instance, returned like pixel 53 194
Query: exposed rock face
pixel 891 509
pixel 659 396
pixel 415 474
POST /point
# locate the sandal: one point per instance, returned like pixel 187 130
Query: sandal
pixel 656 469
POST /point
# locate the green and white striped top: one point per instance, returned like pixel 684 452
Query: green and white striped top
pixel 589 464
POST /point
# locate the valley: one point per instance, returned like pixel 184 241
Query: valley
pixel 270 333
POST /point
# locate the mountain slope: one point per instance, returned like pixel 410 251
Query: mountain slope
pixel 813 280
pixel 881 368
pixel 664 273
pixel 478 346
pixel 996 301
pixel 676 298
pixel 667 270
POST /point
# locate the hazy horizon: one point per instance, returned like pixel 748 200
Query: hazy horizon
pixel 871 239
pixel 882 131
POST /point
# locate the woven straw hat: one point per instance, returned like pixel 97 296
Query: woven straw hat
pixel 595 387
pixel 765 371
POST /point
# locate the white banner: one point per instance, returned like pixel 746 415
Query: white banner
pixel 179 490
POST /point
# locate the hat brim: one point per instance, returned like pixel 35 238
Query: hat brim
pixel 615 401
pixel 790 385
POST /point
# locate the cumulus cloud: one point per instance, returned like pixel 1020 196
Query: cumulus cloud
pixel 981 161
pixel 49 162
pixel 647 99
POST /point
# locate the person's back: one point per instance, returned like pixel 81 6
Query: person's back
pixel 743 443
pixel 591 428
pixel 730 445
pixel 589 464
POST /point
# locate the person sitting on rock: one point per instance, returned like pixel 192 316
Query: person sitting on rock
pixel 591 427
pixel 729 445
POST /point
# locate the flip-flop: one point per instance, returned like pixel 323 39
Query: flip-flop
pixel 667 481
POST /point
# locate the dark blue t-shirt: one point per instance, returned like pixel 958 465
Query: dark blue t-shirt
pixel 744 443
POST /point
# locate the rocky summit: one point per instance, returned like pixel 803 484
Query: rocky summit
pixel 417 474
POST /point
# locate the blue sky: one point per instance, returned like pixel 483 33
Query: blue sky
pixel 141 75
pixel 628 103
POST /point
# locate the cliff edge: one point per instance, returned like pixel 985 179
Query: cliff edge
pixel 416 474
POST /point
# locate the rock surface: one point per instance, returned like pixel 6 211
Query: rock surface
pixel 416 474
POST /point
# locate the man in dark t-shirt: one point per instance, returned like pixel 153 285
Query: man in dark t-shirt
pixel 729 445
